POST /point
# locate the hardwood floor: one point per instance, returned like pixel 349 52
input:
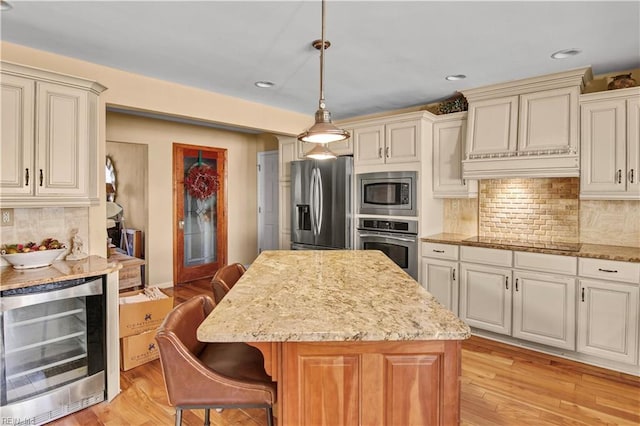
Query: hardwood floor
pixel 501 385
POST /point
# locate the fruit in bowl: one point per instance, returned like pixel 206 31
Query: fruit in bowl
pixel 32 255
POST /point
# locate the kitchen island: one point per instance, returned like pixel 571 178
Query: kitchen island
pixel 349 337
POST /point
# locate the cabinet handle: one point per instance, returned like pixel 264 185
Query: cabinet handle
pixel 41 177
pixel 612 271
pixel 379 152
pixel 517 283
pixel 26 176
pixel 506 282
pixel 438 251
pixel 583 294
pixel 631 176
pixel 619 175
pixel 454 274
pixel 386 152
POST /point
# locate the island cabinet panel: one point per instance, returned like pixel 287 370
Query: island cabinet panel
pixel 370 383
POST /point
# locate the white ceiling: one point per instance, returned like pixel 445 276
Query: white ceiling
pixel 384 55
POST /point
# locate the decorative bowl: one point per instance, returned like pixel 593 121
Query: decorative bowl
pixel 33 259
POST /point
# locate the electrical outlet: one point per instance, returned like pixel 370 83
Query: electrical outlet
pixel 6 217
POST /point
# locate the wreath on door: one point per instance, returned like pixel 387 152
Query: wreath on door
pixel 201 181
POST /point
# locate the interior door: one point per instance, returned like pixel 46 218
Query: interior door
pixel 200 211
pixel 268 229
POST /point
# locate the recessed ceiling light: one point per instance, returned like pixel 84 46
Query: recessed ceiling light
pixel 566 53
pixel 455 77
pixel 5 5
pixel 264 84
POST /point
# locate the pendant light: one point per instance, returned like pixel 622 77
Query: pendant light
pixel 323 131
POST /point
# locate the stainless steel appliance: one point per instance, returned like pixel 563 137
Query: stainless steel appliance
pixel 321 202
pixel 52 347
pixel 398 239
pixel 387 193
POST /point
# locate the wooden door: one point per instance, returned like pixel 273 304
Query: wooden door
pixel 200 211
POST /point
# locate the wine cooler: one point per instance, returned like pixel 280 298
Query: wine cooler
pixel 52 342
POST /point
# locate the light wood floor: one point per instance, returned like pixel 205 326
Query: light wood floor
pixel 501 385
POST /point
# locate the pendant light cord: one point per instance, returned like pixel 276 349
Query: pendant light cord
pixel 321 103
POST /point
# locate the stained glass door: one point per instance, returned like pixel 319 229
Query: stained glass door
pixel 200 212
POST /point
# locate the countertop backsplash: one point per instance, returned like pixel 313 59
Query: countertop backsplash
pixel 566 218
pixel 36 224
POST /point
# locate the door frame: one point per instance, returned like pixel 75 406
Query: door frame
pixel 202 271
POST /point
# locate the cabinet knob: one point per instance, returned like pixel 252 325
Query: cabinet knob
pixel 386 152
pixel 506 283
pixel 26 176
pixel 41 177
pixel 619 175
pixel 631 178
pixel 583 294
pixel 517 284
pixel 612 271
pixel 454 274
pixel 379 152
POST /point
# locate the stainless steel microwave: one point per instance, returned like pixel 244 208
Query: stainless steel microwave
pixel 387 193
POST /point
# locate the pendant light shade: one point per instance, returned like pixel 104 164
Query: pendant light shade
pixel 320 152
pixel 323 131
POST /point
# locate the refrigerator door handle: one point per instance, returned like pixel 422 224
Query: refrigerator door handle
pixel 311 198
pixel 320 201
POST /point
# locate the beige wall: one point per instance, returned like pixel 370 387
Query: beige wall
pixel 158 136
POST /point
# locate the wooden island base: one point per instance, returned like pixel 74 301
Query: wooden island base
pixel 365 383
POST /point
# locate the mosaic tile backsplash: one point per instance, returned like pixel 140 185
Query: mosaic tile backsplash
pixel 536 210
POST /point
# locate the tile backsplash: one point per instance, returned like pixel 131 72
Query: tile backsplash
pixel 536 210
pixel 36 224
pixel 598 221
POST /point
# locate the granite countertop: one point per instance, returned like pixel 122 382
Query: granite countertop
pixel 11 278
pixel 595 251
pixel 329 295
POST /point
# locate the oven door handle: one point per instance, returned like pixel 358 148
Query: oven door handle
pixel 391 237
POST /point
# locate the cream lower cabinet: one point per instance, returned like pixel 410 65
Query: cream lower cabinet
pixel 544 309
pixel 610 148
pixel 439 273
pixel 49 139
pixel 485 297
pixel 608 310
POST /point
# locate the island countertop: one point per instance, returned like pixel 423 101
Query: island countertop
pixel 329 295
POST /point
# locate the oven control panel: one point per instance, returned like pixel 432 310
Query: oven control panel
pixel 399 226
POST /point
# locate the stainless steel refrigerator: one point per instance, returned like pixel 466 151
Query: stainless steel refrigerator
pixel 321 202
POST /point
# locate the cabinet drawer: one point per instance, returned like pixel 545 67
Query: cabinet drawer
pixel 609 270
pixel 440 251
pixel 542 262
pixel 486 256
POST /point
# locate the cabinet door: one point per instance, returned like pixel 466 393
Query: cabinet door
pixel 402 142
pixel 440 278
pixel 493 127
pixel 286 154
pixel 544 309
pixel 17 147
pixel 368 145
pixel 603 147
pixel 633 146
pixel 549 121
pixel 608 320
pixel 485 297
pixel 448 153
pixel 62 146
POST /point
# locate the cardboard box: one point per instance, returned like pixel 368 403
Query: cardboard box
pixel 136 318
pixel 138 349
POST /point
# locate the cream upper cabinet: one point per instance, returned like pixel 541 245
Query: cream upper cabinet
pixel 287 152
pixel 610 145
pixel 49 139
pixel 449 133
pixel 387 143
pixel 493 127
pixel 525 128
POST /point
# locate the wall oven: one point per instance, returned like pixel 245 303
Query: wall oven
pixel 387 193
pixel 398 239
pixel 52 347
